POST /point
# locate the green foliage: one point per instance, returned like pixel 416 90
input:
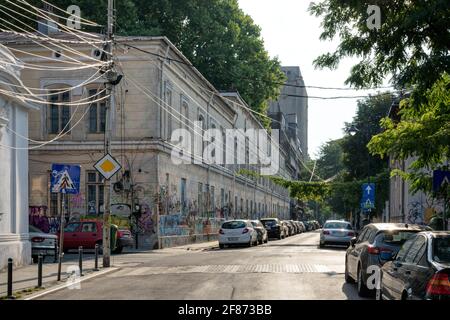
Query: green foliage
pixel 423 132
pixel 330 161
pixel 414 38
pixel 220 40
pixel 359 163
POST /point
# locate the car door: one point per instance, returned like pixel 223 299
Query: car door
pixel 419 270
pixel 402 270
pixel 353 255
pixel 88 234
pixel 71 235
pixel 390 276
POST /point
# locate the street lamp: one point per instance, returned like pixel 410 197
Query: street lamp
pixel 352 130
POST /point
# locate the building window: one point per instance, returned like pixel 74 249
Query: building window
pixel 59 115
pixel 185 114
pixel 222 198
pixel 183 196
pixel 200 197
pixel 97 112
pixel 213 200
pixel 94 192
pixel 168 106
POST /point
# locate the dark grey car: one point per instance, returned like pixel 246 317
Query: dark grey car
pixel 376 244
pixel 421 269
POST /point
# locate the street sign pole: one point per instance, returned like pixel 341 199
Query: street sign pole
pixel 61 236
pixel 107 183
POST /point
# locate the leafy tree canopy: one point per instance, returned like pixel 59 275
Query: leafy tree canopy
pixel 413 39
pixel 220 40
pixel 422 133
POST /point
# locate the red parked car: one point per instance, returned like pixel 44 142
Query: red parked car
pixel 89 233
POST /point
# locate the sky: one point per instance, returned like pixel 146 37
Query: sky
pixel 292 34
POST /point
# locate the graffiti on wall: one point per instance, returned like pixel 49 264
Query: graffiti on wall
pixel 415 213
pixel 38 218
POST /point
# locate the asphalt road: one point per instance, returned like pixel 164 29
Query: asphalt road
pixel 293 268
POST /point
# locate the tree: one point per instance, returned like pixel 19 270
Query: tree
pixel 412 47
pixel 423 133
pixel 220 40
pixel 413 39
pixel 330 161
pixel 359 163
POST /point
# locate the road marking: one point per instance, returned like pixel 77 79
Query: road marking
pixel 246 268
pixel 66 285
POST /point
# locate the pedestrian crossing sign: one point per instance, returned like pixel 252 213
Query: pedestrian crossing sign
pixel 65 179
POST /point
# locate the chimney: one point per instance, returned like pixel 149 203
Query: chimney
pixel 48 26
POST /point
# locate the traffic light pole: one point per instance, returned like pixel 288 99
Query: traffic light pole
pixel 107 182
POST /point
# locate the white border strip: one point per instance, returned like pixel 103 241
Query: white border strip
pixel 65 285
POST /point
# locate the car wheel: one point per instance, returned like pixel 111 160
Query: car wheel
pixel 363 291
pixel 221 245
pixel 261 241
pixel 348 279
pixel 249 243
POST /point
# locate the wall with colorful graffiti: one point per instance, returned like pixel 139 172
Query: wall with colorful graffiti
pixel 38 218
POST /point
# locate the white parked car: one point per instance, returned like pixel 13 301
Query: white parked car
pixel 237 232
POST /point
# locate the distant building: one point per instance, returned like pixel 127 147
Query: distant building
pixel 292 108
pixel 290 115
pixel 14 239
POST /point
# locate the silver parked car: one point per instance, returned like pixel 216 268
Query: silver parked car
pixel 42 243
pixel 336 232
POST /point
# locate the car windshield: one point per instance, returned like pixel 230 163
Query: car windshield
pixel 269 223
pixel 397 237
pixel 34 229
pixel 234 225
pixel 441 250
pixel 337 225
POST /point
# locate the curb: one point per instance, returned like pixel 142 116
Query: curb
pixel 65 285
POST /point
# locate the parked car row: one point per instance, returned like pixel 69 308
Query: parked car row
pixel 254 232
pixel 414 263
pixel 86 233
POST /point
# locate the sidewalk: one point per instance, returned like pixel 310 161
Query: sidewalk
pixel 202 246
pixel 25 277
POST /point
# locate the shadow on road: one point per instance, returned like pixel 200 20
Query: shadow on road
pixel 337 248
pixel 350 291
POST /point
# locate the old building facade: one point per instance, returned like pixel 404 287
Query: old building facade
pixel 14 238
pixel 159 93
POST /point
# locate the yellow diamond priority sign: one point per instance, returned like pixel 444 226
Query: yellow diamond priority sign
pixel 108 166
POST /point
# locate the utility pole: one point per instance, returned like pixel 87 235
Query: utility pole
pixel 109 103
